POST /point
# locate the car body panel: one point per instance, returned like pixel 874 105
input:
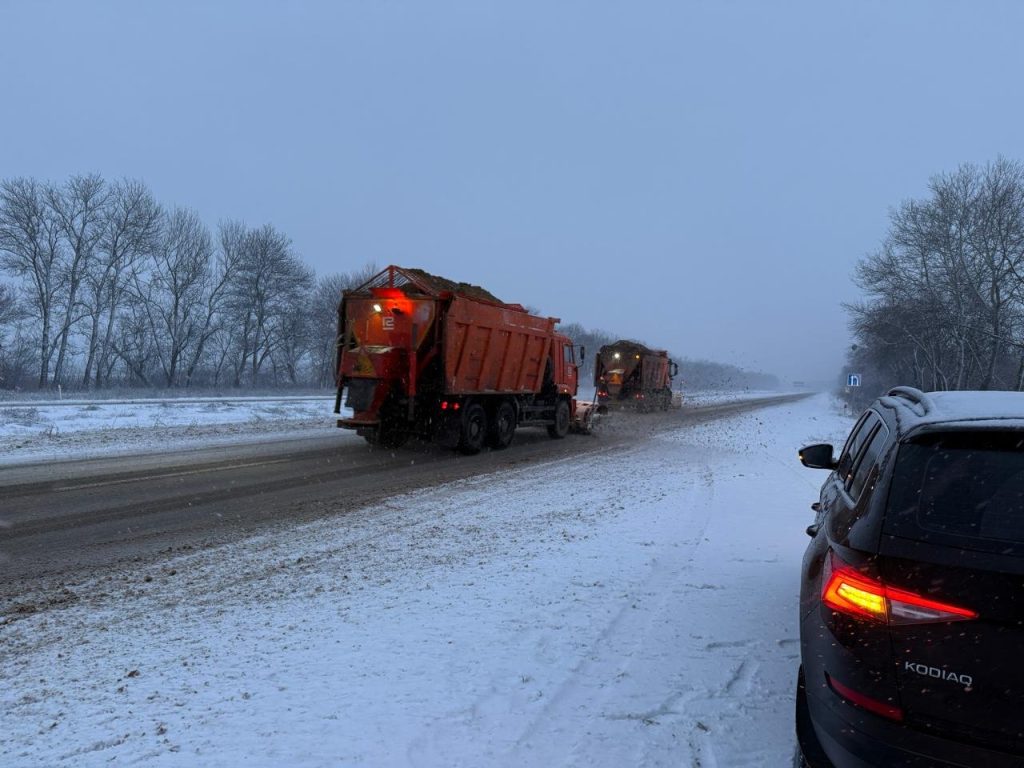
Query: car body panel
pixel 952 691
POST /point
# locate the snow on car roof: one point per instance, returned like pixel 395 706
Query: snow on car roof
pixel 957 409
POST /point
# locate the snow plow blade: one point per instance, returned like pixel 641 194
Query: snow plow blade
pixel 587 416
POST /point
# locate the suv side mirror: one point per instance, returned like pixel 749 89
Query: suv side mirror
pixel 818 456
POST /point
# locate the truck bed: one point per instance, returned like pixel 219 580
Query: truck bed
pixel 490 349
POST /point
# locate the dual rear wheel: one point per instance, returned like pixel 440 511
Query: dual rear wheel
pixel 503 427
pixel 474 429
pixel 478 430
pixel 496 430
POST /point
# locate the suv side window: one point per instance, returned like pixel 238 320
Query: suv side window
pixel 854 444
pixel 867 460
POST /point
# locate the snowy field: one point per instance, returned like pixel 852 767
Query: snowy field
pixel 45 431
pixel 636 609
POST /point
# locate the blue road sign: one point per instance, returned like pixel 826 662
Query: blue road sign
pixel 853 380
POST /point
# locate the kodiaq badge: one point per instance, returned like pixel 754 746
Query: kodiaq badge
pixel 940 674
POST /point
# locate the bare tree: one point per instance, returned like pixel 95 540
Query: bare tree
pixel 30 248
pixel 997 250
pixel 133 344
pixel 268 283
pixel 110 281
pixel 231 240
pixel 172 291
pixel 945 294
pixel 8 314
pixel 8 306
pixel 292 329
pixel 129 229
pixel 78 209
pixel 15 350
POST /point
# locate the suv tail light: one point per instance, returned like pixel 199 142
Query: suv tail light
pixel 848 591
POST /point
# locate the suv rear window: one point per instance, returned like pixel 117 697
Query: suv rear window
pixel 964 489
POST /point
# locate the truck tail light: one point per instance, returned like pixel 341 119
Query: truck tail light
pixel 445 405
pixel 846 590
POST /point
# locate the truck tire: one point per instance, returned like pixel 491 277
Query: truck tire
pixel 563 417
pixel 474 429
pixel 503 426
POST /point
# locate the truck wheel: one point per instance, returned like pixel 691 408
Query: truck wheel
pixel 503 428
pixel 560 428
pixel 474 429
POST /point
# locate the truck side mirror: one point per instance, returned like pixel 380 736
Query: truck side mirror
pixel 583 353
pixel 818 456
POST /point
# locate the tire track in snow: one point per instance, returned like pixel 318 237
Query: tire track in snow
pixel 592 688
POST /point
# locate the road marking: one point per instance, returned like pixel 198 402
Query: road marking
pixel 101 484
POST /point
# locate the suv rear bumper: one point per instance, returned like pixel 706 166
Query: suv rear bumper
pixel 829 740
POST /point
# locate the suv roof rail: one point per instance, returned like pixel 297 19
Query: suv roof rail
pixel 918 400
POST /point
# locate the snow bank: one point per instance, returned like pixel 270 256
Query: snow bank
pixel 636 609
pixel 713 397
pixel 40 431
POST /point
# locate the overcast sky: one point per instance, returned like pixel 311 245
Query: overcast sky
pixel 700 175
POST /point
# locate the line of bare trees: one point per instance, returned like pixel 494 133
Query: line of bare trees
pixel 944 306
pixel 106 287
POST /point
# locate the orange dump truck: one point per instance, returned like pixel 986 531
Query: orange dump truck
pixel 629 374
pixel 422 355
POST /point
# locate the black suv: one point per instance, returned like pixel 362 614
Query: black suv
pixel 912 593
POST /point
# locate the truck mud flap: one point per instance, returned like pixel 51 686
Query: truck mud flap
pixel 447 430
pixel 360 393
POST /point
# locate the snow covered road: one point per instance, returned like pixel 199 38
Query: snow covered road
pixel 32 431
pixel 633 608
